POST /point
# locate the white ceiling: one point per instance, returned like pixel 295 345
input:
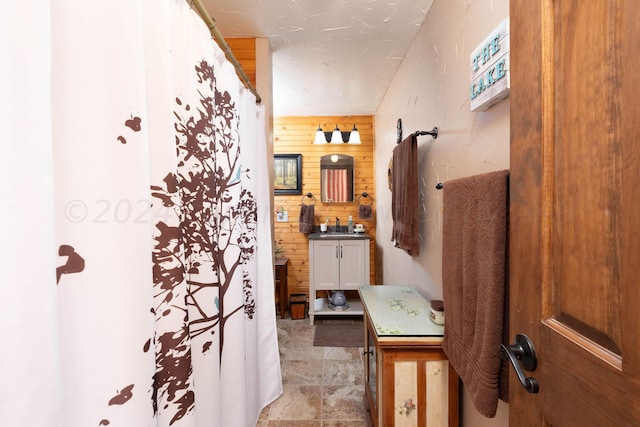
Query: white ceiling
pixel 330 57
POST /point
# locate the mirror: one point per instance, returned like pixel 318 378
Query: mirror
pixel 336 178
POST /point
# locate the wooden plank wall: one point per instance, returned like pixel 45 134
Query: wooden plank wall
pixel 293 135
pixel 244 49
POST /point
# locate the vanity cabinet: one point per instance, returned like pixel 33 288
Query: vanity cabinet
pixel 337 264
pixel 408 379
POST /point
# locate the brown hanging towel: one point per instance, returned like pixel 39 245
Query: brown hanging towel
pixel 474 284
pixel 306 222
pixel 404 196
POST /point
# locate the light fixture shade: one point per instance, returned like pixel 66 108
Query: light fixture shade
pixel 336 136
pixel 354 137
pixel 320 139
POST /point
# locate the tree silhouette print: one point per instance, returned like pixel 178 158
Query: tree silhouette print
pixel 202 246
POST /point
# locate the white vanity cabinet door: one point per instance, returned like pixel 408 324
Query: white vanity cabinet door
pixel 353 264
pixel 325 264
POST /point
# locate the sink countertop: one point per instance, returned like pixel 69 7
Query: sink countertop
pixel 332 235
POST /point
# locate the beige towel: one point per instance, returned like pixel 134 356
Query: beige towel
pixel 404 198
pixel 474 279
pixel 306 221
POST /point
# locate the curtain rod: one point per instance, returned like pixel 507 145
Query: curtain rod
pixel 211 24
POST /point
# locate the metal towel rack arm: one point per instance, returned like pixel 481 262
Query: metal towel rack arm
pixel 365 195
pixel 433 132
pixel 310 196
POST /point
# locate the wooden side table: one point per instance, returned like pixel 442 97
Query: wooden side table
pixel 282 288
pixel 408 379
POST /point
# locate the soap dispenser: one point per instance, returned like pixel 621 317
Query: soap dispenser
pixel 350 225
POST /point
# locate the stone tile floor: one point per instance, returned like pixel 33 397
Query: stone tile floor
pixel 323 386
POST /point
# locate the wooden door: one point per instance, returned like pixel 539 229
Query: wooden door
pixel 575 209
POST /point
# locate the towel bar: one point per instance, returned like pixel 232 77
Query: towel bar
pixel 309 195
pixel 365 195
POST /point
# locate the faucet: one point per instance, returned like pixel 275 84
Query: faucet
pixel 337 225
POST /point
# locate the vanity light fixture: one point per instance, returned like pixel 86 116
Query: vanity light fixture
pixel 354 137
pixel 337 136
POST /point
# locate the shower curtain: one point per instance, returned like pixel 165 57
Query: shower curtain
pixel 137 258
pixel 335 183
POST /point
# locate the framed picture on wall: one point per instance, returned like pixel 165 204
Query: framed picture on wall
pixel 287 173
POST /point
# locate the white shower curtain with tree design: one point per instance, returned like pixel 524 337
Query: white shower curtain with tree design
pixel 138 266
